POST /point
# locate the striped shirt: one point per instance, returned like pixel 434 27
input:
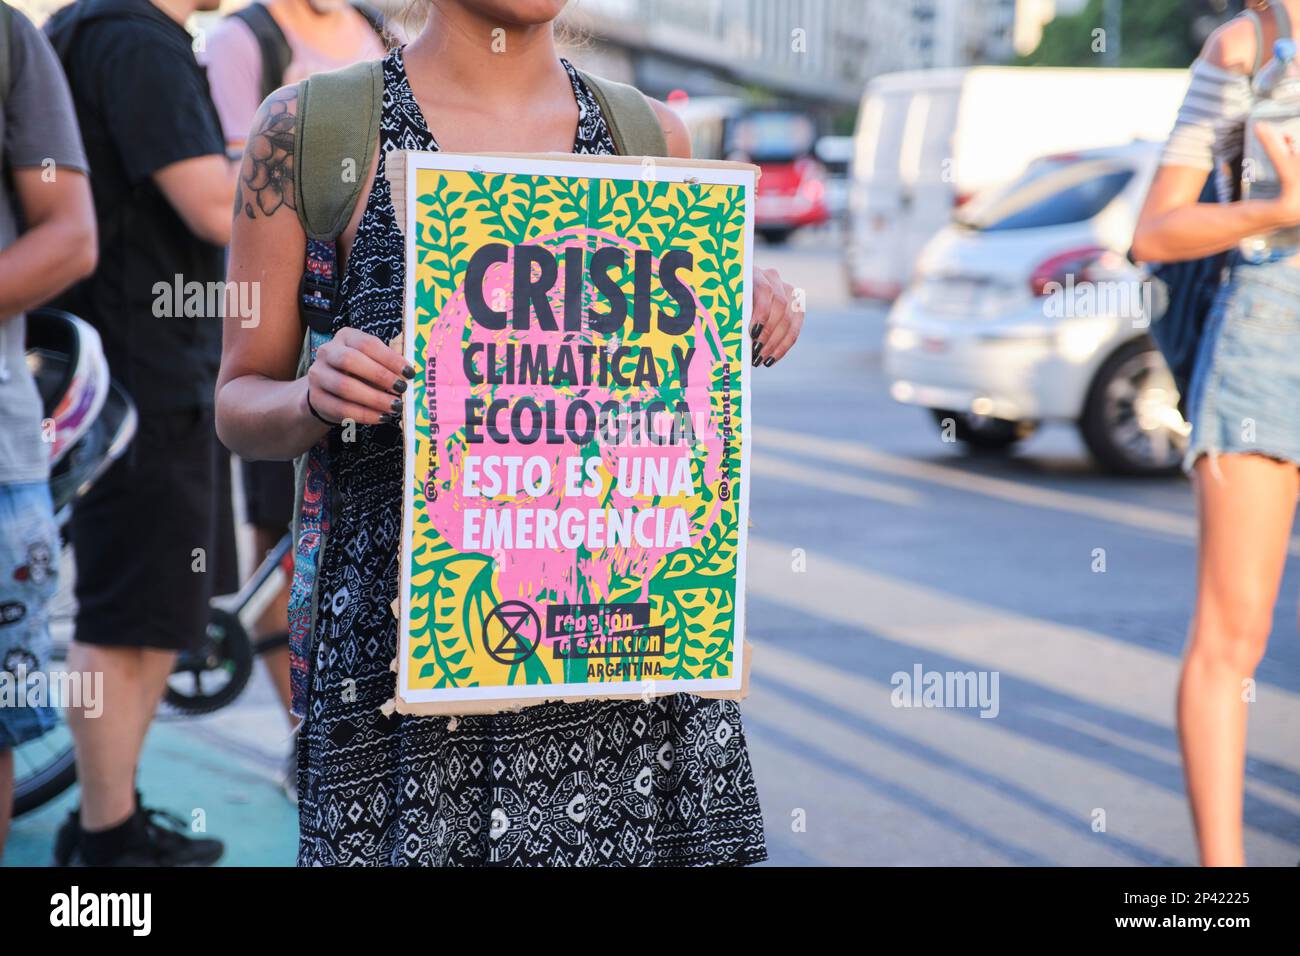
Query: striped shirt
pixel 1208 133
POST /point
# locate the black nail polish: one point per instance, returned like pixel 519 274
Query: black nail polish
pixel 769 362
pixel 757 361
pixel 758 347
pixel 408 371
pixel 397 405
pixel 756 330
pixel 399 386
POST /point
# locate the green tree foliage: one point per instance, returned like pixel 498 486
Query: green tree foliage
pixel 1153 33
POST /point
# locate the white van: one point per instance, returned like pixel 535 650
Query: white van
pixel 928 140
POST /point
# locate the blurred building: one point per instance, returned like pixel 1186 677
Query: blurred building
pixel 805 49
pixel 818 53
pixel 951 33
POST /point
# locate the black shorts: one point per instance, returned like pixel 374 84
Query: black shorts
pixel 153 539
pixel 269 495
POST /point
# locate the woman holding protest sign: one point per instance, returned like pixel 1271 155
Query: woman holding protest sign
pixel 663 781
pixel 1245 389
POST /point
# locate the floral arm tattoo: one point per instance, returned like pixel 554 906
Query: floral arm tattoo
pixel 266 178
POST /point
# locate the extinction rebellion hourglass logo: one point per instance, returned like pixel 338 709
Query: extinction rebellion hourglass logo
pixel 511 632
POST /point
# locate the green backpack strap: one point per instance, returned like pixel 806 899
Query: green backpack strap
pixel 336 132
pixel 6 64
pixel 631 119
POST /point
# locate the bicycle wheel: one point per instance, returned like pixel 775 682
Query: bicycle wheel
pixel 213 674
pixel 216 672
pixel 45 767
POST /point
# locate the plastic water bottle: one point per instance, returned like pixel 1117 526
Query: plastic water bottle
pixel 1276 90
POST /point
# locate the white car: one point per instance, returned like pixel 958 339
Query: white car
pixel 1026 309
pixel 928 141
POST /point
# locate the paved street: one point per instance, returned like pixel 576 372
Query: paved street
pixel 917 555
pixel 878 549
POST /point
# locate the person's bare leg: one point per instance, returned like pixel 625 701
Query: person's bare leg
pixel 277 667
pixel 108 745
pixel 6 795
pixel 155 667
pixel 1246 511
pixel 274 620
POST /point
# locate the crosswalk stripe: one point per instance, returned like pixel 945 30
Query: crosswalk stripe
pixel 1077 663
pixel 771 467
pixel 1019 493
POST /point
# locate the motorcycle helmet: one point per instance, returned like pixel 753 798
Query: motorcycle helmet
pixel 89 418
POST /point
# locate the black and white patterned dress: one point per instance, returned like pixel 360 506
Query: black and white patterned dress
pixel 623 783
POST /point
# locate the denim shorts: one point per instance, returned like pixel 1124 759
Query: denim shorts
pixel 1245 389
pixel 29 566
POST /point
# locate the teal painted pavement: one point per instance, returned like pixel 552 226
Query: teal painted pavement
pixel 209 777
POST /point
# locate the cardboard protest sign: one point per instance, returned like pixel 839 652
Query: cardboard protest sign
pixel 576 493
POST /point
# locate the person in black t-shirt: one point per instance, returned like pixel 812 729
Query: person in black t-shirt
pixel 145 536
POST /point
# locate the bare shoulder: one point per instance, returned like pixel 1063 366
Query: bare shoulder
pixel 675 132
pixel 266 176
pixel 1231 46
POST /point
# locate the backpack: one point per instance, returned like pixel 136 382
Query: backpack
pixel 1185 293
pixel 1186 290
pixel 274 45
pixel 338 122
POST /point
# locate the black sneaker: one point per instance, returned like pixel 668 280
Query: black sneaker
pixel 156 838
pixel 65 841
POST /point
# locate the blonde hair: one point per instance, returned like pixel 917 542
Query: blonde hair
pixel 406 15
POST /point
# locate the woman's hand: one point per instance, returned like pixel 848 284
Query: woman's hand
pixel 1281 151
pixel 777 318
pixel 356 376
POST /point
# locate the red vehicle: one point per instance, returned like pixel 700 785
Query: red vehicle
pixel 792 186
